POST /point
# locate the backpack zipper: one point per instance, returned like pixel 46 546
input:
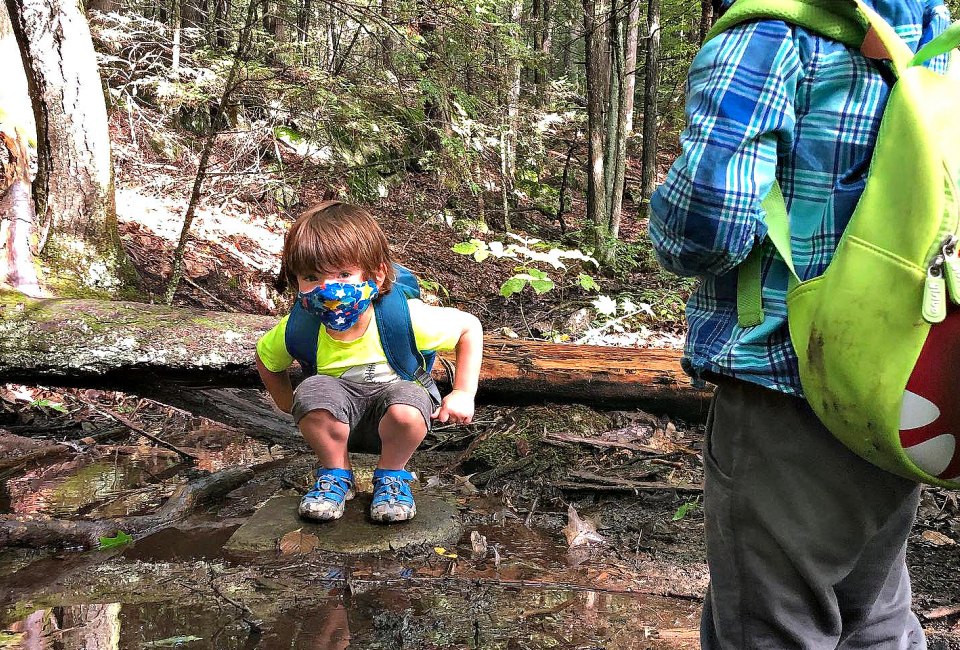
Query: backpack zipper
pixel 943 272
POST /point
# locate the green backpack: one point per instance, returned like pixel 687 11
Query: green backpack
pixel 878 334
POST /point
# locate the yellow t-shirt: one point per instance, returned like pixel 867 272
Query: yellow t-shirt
pixel 363 359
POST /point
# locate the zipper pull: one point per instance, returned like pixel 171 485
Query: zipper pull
pixel 951 269
pixel 935 293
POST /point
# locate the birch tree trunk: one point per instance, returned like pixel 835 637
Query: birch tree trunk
pixel 648 172
pixel 17 215
pixel 73 189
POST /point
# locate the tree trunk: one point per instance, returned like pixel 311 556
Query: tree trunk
pixel 649 170
pixel 617 147
pixel 594 15
pixel 221 20
pixel 105 6
pixel 17 214
pixel 706 18
pixel 138 347
pixel 541 16
pixel 73 189
pixel 630 62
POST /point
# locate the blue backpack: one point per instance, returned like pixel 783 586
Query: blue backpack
pixel 396 335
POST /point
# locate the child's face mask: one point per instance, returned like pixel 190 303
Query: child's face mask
pixel 339 305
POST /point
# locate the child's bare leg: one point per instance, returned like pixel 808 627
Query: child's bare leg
pixel 402 429
pixel 327 436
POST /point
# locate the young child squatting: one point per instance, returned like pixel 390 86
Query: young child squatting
pixel 339 260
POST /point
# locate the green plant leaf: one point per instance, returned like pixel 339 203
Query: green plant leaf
pixel 45 403
pixel 685 509
pixel 587 283
pixel 513 285
pixel 466 248
pixel 481 254
pixel 537 273
pixel 112 542
pixel 542 286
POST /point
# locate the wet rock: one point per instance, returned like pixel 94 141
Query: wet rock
pixel 437 522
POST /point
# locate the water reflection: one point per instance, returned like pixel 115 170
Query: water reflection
pixel 482 617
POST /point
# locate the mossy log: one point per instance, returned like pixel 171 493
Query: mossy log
pixel 135 346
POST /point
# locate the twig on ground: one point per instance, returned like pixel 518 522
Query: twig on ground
pixel 138 429
pixel 562 438
pixel 635 487
pixel 224 306
pixel 255 625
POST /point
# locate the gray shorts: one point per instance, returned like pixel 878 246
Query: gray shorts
pixel 360 405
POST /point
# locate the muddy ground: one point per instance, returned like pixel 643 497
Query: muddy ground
pixel 517 576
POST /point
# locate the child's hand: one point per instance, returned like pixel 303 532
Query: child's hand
pixel 456 407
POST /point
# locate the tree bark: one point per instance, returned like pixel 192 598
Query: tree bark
pixel 630 62
pixel 649 169
pixel 594 15
pixel 73 189
pixel 136 346
pixel 706 18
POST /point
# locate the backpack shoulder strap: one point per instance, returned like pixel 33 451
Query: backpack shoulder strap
pixel 301 336
pixel 397 336
pixel 835 19
pixel 850 22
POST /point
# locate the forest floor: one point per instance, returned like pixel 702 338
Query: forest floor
pixel 578 527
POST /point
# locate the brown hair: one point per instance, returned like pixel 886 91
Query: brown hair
pixel 331 235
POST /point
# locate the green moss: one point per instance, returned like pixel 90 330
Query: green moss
pixel 64 287
pixel 523 438
pixel 214 323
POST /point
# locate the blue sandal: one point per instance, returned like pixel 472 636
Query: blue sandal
pixel 331 491
pixel 392 498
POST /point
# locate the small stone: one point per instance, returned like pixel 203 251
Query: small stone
pixel 579 321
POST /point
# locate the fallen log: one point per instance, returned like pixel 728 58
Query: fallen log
pixel 136 346
pixel 39 531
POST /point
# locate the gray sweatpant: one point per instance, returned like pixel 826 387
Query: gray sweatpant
pixel 805 540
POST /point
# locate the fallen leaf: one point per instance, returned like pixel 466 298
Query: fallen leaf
pixel 580 531
pixel 442 552
pixel 112 542
pixel 479 543
pixel 297 541
pixel 463 484
pixel 935 538
pixel 433 481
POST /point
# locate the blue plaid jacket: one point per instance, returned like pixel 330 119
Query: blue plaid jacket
pixel 765 101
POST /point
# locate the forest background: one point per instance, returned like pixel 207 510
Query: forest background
pixel 524 135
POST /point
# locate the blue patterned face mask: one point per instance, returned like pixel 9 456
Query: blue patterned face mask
pixel 338 305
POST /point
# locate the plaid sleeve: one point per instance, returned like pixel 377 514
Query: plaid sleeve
pixel 936 19
pixel 706 217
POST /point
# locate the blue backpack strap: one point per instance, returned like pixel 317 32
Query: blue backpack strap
pixel 397 337
pixel 301 336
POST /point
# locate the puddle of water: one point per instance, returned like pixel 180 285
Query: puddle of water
pixel 131 480
pixel 179 545
pixel 108 626
pixel 489 618
pixel 108 486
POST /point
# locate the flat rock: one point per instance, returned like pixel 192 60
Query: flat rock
pixel 437 522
